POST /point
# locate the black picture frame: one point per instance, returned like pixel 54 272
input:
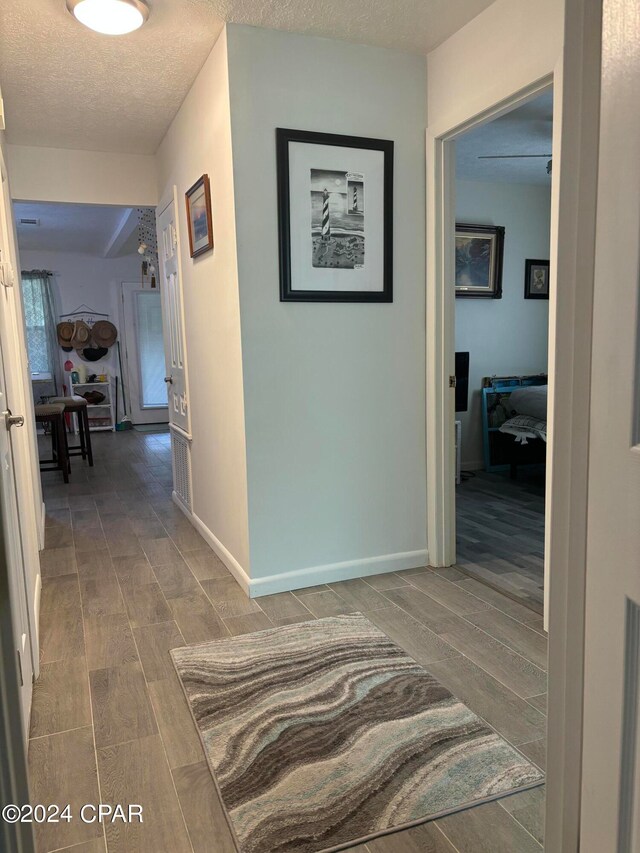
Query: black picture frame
pixel 288 276
pixel 533 289
pixel 494 235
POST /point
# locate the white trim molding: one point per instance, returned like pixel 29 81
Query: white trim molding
pixel 43 524
pixel 440 324
pixel 570 391
pixel 302 578
pixel 333 572
pixel 216 545
pixel 175 497
pixel 225 555
pixel 37 596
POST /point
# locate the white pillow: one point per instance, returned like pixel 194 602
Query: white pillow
pixel 525 427
pixel 530 400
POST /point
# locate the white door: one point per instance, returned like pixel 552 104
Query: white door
pixel 143 343
pixel 172 306
pixel 11 535
pixel 610 809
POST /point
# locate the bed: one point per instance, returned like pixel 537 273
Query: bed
pixel 525 432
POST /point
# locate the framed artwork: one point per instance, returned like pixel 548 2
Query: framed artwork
pixel 335 217
pixel 536 279
pixel 199 219
pixel 479 250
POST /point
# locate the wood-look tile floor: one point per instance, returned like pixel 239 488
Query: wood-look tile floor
pixel 500 532
pixel 126 578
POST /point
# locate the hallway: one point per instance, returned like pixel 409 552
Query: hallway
pixel 126 578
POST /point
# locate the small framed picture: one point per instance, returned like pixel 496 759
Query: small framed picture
pixel 479 250
pixel 536 279
pixel 335 214
pixel 198 198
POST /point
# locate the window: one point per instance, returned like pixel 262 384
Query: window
pixel 35 315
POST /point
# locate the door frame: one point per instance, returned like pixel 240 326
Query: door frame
pixel 14 785
pixel 31 507
pixel 129 368
pixel 440 307
pixel 576 80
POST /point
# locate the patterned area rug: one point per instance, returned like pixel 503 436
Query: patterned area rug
pixel 323 734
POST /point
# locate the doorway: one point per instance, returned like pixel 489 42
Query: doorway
pixel 441 378
pixel 502 243
pixel 144 354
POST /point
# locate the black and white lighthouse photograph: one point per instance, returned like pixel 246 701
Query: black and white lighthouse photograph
pixel 337 219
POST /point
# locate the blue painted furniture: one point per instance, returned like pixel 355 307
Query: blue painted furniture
pixel 495 411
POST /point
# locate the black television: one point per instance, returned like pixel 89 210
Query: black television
pixel 462 381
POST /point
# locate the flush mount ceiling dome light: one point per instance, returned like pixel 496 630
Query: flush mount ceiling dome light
pixel 111 17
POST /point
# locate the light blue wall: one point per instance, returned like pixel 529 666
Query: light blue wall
pixel 334 394
pixel 509 335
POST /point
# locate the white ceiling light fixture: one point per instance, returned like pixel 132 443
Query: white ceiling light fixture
pixel 111 17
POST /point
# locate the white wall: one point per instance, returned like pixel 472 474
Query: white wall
pixel 334 393
pixel 199 140
pixel 504 49
pixel 91 279
pixel 509 335
pixel 82 177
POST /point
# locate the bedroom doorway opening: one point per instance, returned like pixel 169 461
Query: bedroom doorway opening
pixel 502 248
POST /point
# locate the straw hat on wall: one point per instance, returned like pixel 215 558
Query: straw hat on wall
pixel 81 337
pixel 65 333
pixel 104 333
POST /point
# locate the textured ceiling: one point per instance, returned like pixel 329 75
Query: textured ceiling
pixel 527 130
pixel 66 86
pixel 85 228
pixel 413 25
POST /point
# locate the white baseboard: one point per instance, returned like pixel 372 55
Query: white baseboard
pixel 333 572
pixel 226 556
pixel 301 578
pixel 216 545
pixel 175 497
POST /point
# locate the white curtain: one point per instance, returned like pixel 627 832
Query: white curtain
pixel 40 321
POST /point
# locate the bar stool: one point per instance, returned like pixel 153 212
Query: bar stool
pixel 53 414
pixel 78 406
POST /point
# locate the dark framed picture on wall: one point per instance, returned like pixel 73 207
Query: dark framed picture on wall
pixel 198 198
pixel 536 279
pixel 335 217
pixel 479 251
